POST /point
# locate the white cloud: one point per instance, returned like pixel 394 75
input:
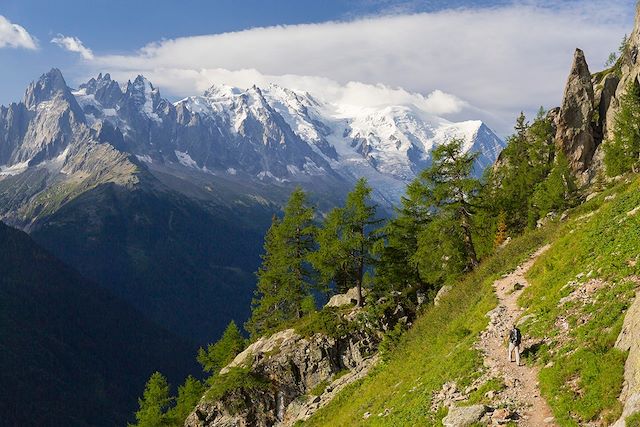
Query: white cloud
pixel 14 35
pixel 498 60
pixel 73 44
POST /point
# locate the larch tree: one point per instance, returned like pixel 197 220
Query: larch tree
pixel 154 403
pixel 285 279
pixel 346 240
pixel 451 189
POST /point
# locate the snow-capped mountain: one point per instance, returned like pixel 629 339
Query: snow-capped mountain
pixel 389 145
pixel 271 134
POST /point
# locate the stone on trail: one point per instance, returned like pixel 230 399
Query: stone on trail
pixel 464 416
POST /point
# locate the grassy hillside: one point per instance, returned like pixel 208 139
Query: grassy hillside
pixel 580 291
pixel 439 348
pixel 600 240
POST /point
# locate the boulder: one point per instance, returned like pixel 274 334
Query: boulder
pixel 575 134
pixel 350 297
pixel 463 416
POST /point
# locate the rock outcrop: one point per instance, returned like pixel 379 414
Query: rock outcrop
pixel 292 366
pixel 575 133
pixel 629 340
pixel 300 372
pixel 628 69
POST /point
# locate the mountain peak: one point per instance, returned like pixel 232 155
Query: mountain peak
pixel 45 88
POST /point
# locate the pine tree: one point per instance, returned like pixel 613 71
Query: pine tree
pixel 154 403
pixel 189 395
pixel 451 188
pixel 524 163
pixel 346 240
pixel 396 268
pixel 622 152
pixel 218 355
pixel 359 234
pixel 557 191
pixel 331 260
pixel 285 279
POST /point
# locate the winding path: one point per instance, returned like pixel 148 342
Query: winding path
pixel 522 393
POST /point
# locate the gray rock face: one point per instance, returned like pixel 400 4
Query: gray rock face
pixel 463 416
pixel 604 100
pixel 441 294
pixel 293 365
pixel 575 135
pixel 629 340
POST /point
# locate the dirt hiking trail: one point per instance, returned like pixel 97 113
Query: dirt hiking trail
pixel 522 393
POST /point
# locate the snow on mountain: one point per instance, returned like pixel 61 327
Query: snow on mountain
pixel 269 134
pixel 388 145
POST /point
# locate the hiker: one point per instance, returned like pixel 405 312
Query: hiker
pixel 515 337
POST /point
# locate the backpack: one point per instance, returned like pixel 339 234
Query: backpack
pixel 515 336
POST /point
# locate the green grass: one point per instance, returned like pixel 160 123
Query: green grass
pixel 478 396
pixel 584 378
pixel 319 389
pixel 633 420
pixel 437 349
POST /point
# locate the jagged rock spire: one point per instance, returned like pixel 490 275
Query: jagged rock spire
pixel 574 135
pixel 46 87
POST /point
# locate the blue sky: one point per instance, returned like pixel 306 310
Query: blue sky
pixel 466 54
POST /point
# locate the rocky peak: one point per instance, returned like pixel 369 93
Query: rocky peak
pixel 48 87
pixel 575 135
pixel 142 92
pixel 141 97
pixel 105 90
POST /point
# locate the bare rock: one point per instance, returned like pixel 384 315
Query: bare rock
pixel 629 340
pixel 604 100
pixel 501 416
pixel 290 365
pixel 463 416
pixel 575 135
pixel 350 297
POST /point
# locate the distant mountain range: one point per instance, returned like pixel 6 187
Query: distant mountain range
pixel 270 134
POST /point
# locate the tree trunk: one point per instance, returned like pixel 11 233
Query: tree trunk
pixel 360 269
pixel 359 283
pixel 468 243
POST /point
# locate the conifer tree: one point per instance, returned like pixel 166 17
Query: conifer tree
pixel 556 192
pixel 331 260
pixel 622 152
pixel 346 240
pixel 285 279
pixel 396 268
pixel 451 188
pixel 524 163
pixel 154 403
pixel 219 354
pixel 189 395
